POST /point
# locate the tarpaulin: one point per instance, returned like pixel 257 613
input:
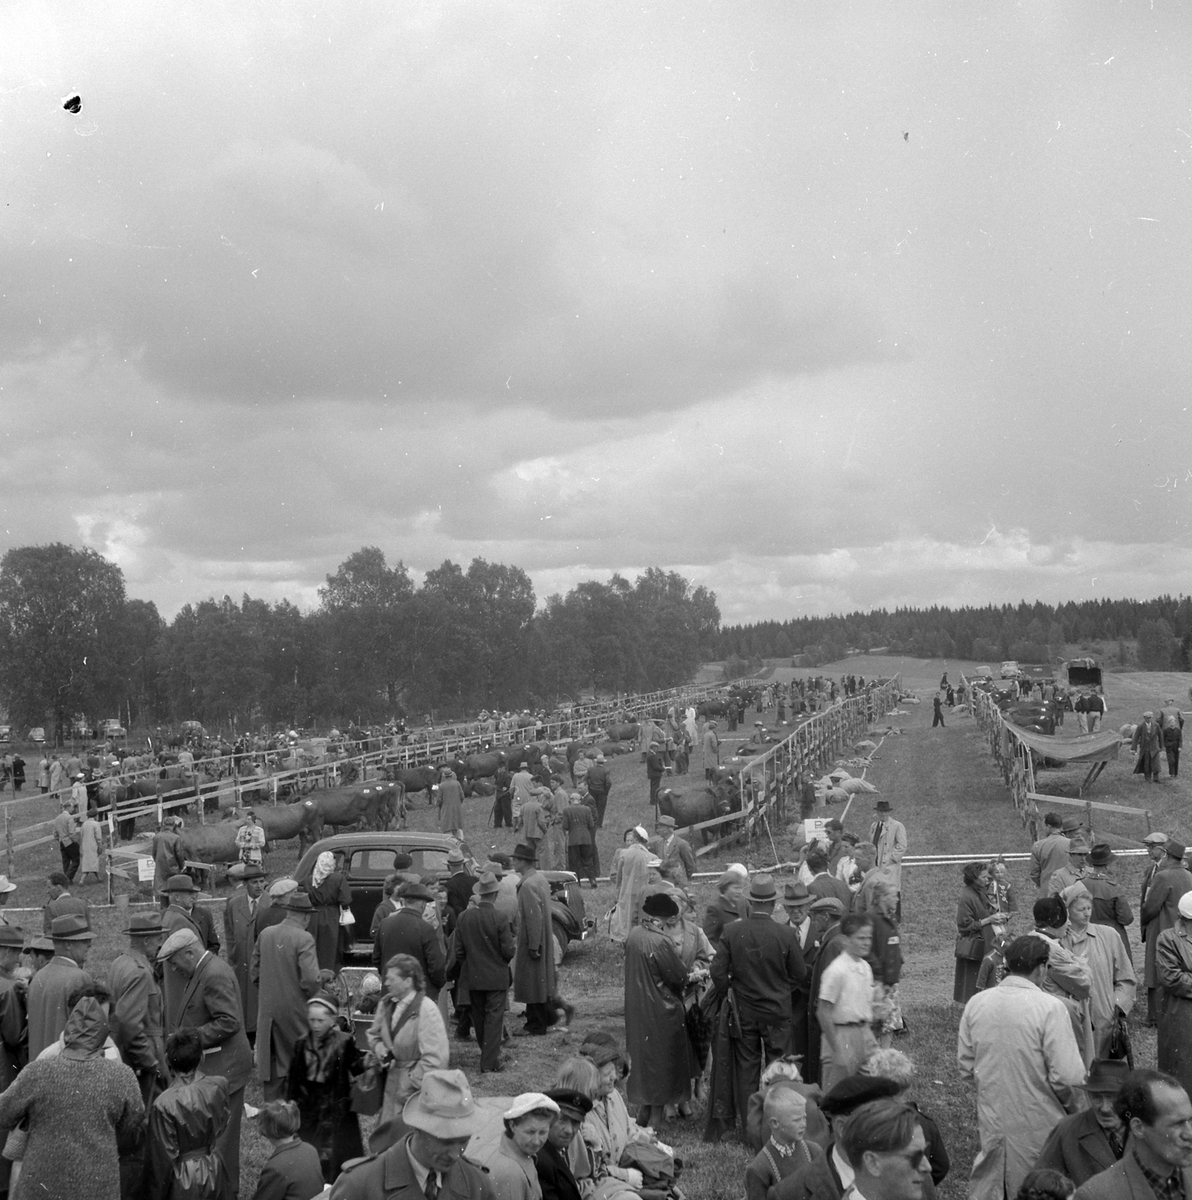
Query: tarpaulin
pixel 1086 747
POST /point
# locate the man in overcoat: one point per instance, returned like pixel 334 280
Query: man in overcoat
pixel 1160 909
pixel 285 970
pixel 1092 1140
pixel 57 980
pixel 1147 744
pixel 242 926
pixel 482 950
pixel 210 1003
pixel 534 961
pixel 408 932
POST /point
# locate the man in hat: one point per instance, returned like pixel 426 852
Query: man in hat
pixel 69 838
pixel 555 1176
pixel 57 980
pixel 451 804
pixel 1110 906
pixel 757 967
pixel 481 953
pixel 678 859
pixel 1157 1113
pixel 209 1002
pixel 1090 1141
pixel 285 972
pixel 241 930
pixel 169 858
pixel 1049 853
pixel 458 888
pixel 796 903
pixel 656 767
pixel 1160 911
pixel 1147 744
pixel 822 881
pixel 579 824
pixel 600 784
pixel 828 1178
pixel 730 905
pixel 136 1020
pixel 1074 871
pixel 402 873
pixel 61 903
pixel 889 837
pixel 531 821
pixel 184 913
pixel 428 1162
pixel 1017 1042
pixel 270 911
pixel 250 840
pixel 534 961
pixel 408 932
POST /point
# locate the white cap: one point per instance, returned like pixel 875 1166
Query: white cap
pixel 528 1102
pixel 283 887
pixel 738 869
pixel 1185 905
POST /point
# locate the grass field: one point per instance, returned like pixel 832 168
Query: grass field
pixel 944 788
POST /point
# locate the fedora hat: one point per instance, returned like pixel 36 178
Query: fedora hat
pixel 882 805
pixel 524 852
pixel 1106 1075
pixel 70 928
pixel 1077 845
pixel 1175 849
pixel 40 945
pixel 455 858
pixel 252 871
pixel 10 935
pixel 669 822
pixel 144 923
pixel 444 1107
pixel 6 884
pixel 296 902
pixel 486 885
pixel 761 889
pixel 1069 824
pixel 1101 855
pixel 796 893
pixel 180 883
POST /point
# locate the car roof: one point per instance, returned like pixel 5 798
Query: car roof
pixel 386 838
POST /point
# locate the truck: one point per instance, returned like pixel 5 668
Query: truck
pixel 1083 673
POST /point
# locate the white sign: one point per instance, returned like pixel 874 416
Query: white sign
pixel 814 831
pixel 146 869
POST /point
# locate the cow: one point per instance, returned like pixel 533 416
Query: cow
pixel 711 708
pixel 372 806
pixel 625 732
pixel 531 752
pixel 281 822
pixel 480 766
pixel 412 779
pixel 691 809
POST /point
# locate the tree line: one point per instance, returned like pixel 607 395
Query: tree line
pixel 378 646
pixel 1155 635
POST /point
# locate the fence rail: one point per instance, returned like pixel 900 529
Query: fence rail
pixel 766 782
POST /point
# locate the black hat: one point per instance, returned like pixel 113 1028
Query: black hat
pixel 571 1103
pixel 415 891
pixel 660 905
pixel 525 853
pixel 1102 855
pixel 853 1091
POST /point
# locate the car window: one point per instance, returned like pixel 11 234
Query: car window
pixel 427 861
pixel 375 862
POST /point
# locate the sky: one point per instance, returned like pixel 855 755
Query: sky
pixel 825 305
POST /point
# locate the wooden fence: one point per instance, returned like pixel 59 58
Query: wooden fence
pixel 767 782
pixel 1013 758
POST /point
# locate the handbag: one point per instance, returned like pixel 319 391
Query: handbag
pixel 970 947
pixel 1118 1046
pixel 368 1092
pixel 347 917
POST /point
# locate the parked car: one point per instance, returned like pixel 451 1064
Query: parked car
pixel 37 734
pixel 5 733
pixel 368 859
pixel 112 728
pixel 1010 669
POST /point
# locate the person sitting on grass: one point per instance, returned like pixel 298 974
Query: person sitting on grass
pixel 786 1149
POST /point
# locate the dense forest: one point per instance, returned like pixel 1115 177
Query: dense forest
pixel 1036 632
pixel 378 646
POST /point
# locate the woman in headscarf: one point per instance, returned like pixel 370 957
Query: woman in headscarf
pixel 329 893
pixel 451 804
pixel 320 1082
pixel 408 1037
pixel 184 1123
pixel 631 871
pixel 79 1105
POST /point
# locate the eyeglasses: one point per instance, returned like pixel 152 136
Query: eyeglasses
pixel 916 1158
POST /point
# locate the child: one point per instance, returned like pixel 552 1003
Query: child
pixel 786 1150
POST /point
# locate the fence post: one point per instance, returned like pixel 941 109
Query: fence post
pixel 8 841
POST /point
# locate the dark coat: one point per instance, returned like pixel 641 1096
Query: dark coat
pixel 65 905
pixel 13 1030
pixel 137 1016
pixel 1110 907
pixel 555 1176
pixel 1173 968
pixel 184 1123
pixel 389 1176
pixel 885 954
pixel 1077 1148
pixel 828 886
pixel 722 912
pixel 459 893
pixel 290 1173
pixel 328 898
pixel 240 937
pixel 816 1181
pixel 1160 911
pixel 600 781
pixel 1125 1181
pixel 763 961
pixel 534 977
pixel 483 948
pixel 407 933
pixel 328 1122
pixel 655 1020
pixel 285 969
pixel 210 1003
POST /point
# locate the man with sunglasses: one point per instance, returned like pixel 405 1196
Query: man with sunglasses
pixel 883 1142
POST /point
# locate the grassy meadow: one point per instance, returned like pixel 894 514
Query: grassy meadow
pixel 944 788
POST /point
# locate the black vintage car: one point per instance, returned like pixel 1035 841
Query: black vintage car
pixel 368 859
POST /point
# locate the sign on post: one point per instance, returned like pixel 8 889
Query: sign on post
pixel 145 870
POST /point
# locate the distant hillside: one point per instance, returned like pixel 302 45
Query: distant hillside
pixel 1154 635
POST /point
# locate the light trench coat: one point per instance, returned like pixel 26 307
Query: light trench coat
pixel 1017 1043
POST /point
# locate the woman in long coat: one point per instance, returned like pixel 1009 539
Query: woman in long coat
pixel 184 1125
pixel 322 1067
pixel 1173 966
pixel 655 1019
pixel 451 804
pixel 408 1038
pixel 330 895
pixel 631 872
pixel 91 846
pixel 974 918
